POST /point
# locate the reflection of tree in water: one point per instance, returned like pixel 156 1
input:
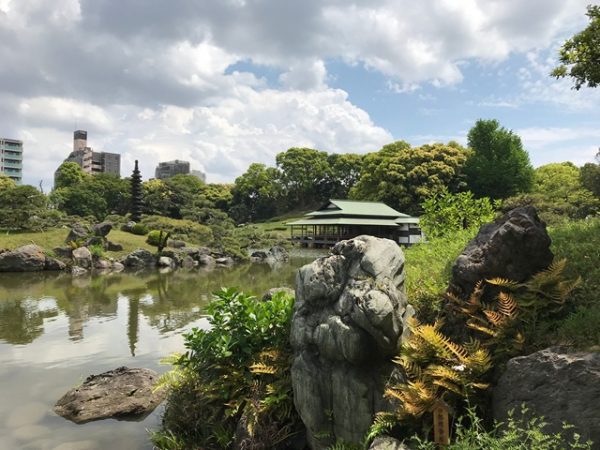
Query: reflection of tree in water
pixel 169 301
pixel 21 322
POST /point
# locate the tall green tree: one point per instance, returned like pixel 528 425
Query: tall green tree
pixel 557 193
pixel 303 172
pixel 256 194
pixel 498 166
pixel 19 204
pixel 403 177
pixel 580 55
pixel 69 174
pixel 343 173
pixel 590 177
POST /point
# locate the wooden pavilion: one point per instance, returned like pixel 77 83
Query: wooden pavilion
pixel 337 220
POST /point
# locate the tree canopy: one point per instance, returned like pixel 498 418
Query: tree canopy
pixel 498 166
pixel 403 177
pixel 69 174
pixel 580 55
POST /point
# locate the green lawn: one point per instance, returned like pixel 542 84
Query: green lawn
pixel 56 238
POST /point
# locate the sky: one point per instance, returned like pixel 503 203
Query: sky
pixel 225 83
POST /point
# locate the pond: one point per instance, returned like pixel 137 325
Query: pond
pixel 55 330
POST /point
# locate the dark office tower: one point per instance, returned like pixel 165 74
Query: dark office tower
pixel 137 196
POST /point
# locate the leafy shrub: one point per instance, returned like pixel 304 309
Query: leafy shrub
pixel 185 230
pixel 446 213
pixel 239 368
pixel 516 434
pixel 139 229
pixel 154 237
pixel 581 327
pixel 97 250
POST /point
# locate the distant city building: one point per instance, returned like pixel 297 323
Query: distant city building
pixel 90 161
pixel 11 159
pixel 169 169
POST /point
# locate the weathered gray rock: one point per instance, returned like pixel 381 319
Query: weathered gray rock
pixel 267 296
pixel 175 243
pixel 82 257
pixel 117 266
pixel 514 247
pixel 560 385
pixel 259 255
pixel 28 258
pixel 279 254
pixel 77 233
pixel 122 393
pixel 54 264
pixel 206 260
pixel 139 259
pixel 165 261
pixel 348 322
pixel 224 261
pixel 102 264
pixel 63 252
pixel 94 240
pixel 77 271
pixel 113 247
pixel 387 443
pixel 128 226
pixel 102 229
pixel 188 262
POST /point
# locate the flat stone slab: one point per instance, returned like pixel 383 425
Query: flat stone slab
pixel 123 394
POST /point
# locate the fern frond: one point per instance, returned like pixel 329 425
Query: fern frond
pixel 475 326
pixel 504 283
pixel 507 305
pixel 263 368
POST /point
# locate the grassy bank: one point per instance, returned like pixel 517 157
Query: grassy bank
pixel 56 238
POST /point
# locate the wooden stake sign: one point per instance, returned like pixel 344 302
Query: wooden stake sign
pixel 441 429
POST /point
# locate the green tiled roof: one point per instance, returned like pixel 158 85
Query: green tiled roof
pixel 356 208
pixel 345 221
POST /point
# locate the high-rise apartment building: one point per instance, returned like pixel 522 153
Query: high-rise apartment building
pixel 169 169
pixel 90 161
pixel 11 159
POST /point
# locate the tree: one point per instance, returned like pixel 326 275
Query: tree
pixel 580 55
pixel 69 174
pixel 81 200
pixel 344 172
pixel 446 213
pixel 6 182
pixel 557 193
pixel 498 166
pixel 403 177
pixel 19 204
pixel 590 178
pixel 303 171
pixel 256 194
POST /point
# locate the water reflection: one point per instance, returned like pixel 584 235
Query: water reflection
pixel 168 301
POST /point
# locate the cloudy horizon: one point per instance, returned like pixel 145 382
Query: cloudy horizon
pixel 226 83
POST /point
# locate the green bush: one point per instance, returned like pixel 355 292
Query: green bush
pixel 446 213
pixel 97 250
pixel 182 229
pixel 139 229
pixel 154 237
pixel 517 434
pixel 581 328
pixel 237 368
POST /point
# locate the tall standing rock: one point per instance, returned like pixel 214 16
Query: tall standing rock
pixel 515 246
pixel 137 196
pixel 348 322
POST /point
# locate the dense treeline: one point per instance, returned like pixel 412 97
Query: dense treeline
pixel 494 165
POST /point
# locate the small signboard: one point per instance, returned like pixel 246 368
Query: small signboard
pixel 441 428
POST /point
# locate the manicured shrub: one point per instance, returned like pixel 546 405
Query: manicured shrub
pixel 181 229
pixel 140 229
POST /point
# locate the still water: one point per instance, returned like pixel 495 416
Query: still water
pixel 56 330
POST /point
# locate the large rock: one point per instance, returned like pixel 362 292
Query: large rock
pixel 122 393
pixel 54 264
pixel 82 257
pixel 139 259
pixel 28 258
pixel 387 443
pixel 102 229
pixel 348 322
pixel 113 246
pixel 560 385
pixel 279 254
pixel 77 233
pixel 276 255
pixel 514 247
